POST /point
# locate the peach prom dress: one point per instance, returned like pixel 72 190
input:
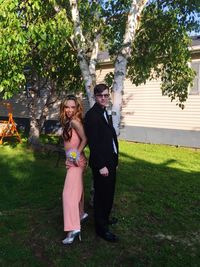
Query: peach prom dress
pixel 73 193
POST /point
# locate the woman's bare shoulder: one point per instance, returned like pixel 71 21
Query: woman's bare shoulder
pixel 75 123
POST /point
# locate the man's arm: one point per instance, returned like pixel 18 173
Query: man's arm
pixel 93 133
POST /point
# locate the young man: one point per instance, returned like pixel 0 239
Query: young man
pixel 103 144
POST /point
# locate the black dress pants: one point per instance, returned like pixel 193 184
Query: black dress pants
pixel 104 189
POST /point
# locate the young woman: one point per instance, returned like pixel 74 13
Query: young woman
pixel 74 142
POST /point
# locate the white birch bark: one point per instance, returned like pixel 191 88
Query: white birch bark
pixel 121 61
pixel 88 70
pixel 93 59
pixel 87 77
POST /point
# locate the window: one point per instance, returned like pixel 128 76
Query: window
pixel 195 89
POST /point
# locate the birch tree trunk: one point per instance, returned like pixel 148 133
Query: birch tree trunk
pixel 88 67
pixel 121 61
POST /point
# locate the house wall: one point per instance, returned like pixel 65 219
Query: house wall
pixel 149 117
pixel 20 112
pixel 20 102
pixel 20 107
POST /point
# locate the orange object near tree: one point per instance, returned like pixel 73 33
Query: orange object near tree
pixel 8 128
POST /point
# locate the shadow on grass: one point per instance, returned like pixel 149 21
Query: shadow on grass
pixel 157 206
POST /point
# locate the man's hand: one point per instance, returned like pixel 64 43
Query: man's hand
pixel 104 171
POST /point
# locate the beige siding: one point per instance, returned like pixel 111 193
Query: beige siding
pixel 145 106
pixel 20 107
pixel 147 116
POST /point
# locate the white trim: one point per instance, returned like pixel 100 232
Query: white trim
pixel 196 91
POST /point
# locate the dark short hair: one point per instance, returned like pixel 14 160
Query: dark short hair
pixel 99 88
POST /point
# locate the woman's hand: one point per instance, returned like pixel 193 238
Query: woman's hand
pixel 76 163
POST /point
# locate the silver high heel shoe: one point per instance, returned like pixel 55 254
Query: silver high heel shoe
pixel 71 237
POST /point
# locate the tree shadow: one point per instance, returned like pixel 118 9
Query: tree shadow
pixel 150 199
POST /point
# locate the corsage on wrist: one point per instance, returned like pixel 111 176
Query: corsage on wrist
pixel 72 154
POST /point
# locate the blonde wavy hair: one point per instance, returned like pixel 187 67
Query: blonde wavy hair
pixel 65 121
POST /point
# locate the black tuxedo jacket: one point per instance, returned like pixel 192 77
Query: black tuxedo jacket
pixel 100 136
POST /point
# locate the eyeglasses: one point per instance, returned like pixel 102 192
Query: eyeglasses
pixel 103 95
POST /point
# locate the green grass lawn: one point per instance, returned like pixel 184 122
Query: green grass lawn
pixel 157 202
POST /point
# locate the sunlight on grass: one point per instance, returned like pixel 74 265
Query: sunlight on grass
pixel 17 161
pixel 179 158
pixel 157 203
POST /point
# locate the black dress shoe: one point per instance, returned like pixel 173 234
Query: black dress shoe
pixel 108 236
pixel 112 221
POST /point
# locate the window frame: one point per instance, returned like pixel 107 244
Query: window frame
pixel 196 82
